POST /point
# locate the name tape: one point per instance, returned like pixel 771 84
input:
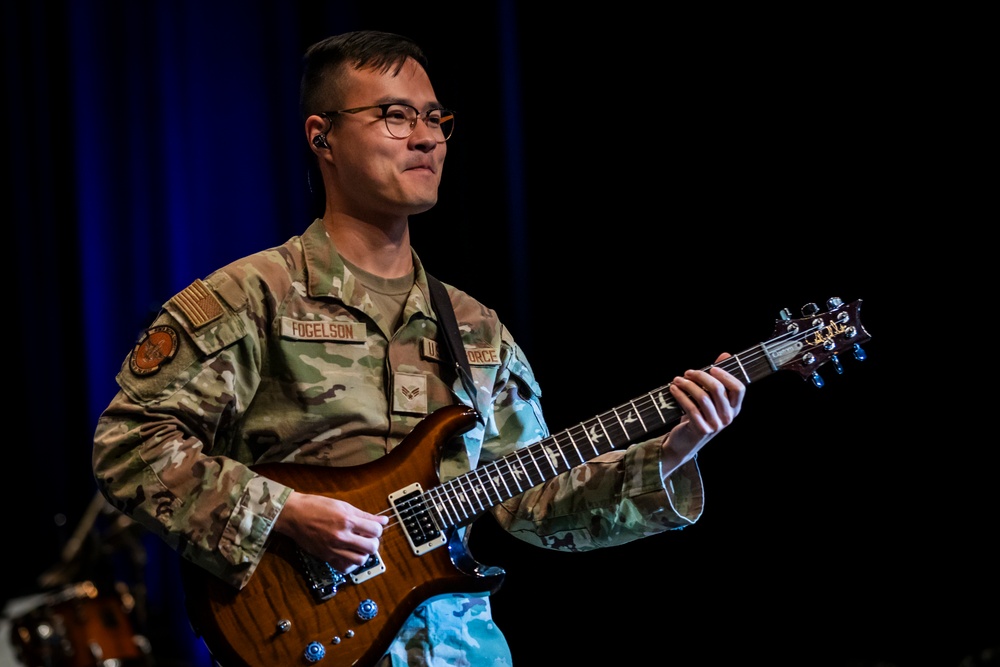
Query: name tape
pixel 354 332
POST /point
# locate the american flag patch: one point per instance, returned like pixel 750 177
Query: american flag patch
pixel 199 304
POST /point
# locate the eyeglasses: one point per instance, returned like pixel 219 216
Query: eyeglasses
pixel 401 119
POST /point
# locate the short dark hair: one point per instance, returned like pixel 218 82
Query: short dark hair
pixel 372 49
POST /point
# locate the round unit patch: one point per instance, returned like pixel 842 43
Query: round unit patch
pixel 157 346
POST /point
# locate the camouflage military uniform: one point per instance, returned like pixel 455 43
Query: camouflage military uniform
pixel 283 357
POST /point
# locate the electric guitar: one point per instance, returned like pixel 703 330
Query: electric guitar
pixel 297 610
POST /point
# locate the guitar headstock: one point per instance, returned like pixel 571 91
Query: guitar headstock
pixel 804 344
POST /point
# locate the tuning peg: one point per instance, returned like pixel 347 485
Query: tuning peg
pixel 809 310
pixel 817 380
pixel 837 365
pixel 833 303
pixel 859 353
pixel 785 314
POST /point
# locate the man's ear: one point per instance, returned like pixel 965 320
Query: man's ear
pixel 317 128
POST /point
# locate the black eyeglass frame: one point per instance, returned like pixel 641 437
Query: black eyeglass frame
pixel 446 115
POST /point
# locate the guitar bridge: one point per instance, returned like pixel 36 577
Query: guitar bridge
pixel 322 579
pixel 418 519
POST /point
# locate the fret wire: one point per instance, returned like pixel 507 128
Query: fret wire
pixel 641 407
pixel 621 425
pixel 471 494
pixel 455 499
pixel 499 474
pixel 656 402
pixel 590 440
pixel 531 454
pixel 607 436
pixel 571 455
pixel 489 478
pixel 514 471
pixel 440 506
pixel 452 500
pixel 552 458
pixel 579 455
pixel 652 401
pixel 739 363
pixel 662 400
pixel 484 488
pixel 638 415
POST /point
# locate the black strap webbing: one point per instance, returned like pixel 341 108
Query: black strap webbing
pixel 453 340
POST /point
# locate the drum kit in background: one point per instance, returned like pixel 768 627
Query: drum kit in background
pixel 85 617
pixel 80 626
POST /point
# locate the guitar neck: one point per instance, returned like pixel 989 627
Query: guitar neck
pixel 800 345
pixel 463 499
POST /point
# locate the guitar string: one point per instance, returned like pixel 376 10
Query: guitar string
pixel 736 364
pixel 450 500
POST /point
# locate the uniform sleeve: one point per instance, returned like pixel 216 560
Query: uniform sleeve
pixel 159 456
pixel 612 499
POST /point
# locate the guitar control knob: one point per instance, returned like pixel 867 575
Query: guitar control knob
pixel 367 610
pixel 314 652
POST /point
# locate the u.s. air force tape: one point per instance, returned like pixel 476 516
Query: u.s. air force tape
pixel 478 356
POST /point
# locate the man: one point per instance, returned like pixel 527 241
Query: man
pixel 329 350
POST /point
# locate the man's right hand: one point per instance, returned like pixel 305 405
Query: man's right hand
pixel 331 529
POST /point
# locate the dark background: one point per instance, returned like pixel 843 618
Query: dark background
pixel 633 192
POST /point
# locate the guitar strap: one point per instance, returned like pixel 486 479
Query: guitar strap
pixel 453 340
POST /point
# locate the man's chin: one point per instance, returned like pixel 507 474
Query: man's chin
pixel 422 205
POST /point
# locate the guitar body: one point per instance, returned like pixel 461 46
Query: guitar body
pixel 275 618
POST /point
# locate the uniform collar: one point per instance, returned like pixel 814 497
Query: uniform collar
pixel 326 275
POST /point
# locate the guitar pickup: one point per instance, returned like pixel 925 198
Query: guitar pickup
pixel 372 568
pixel 419 520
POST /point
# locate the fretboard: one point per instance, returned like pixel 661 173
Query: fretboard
pixel 461 500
